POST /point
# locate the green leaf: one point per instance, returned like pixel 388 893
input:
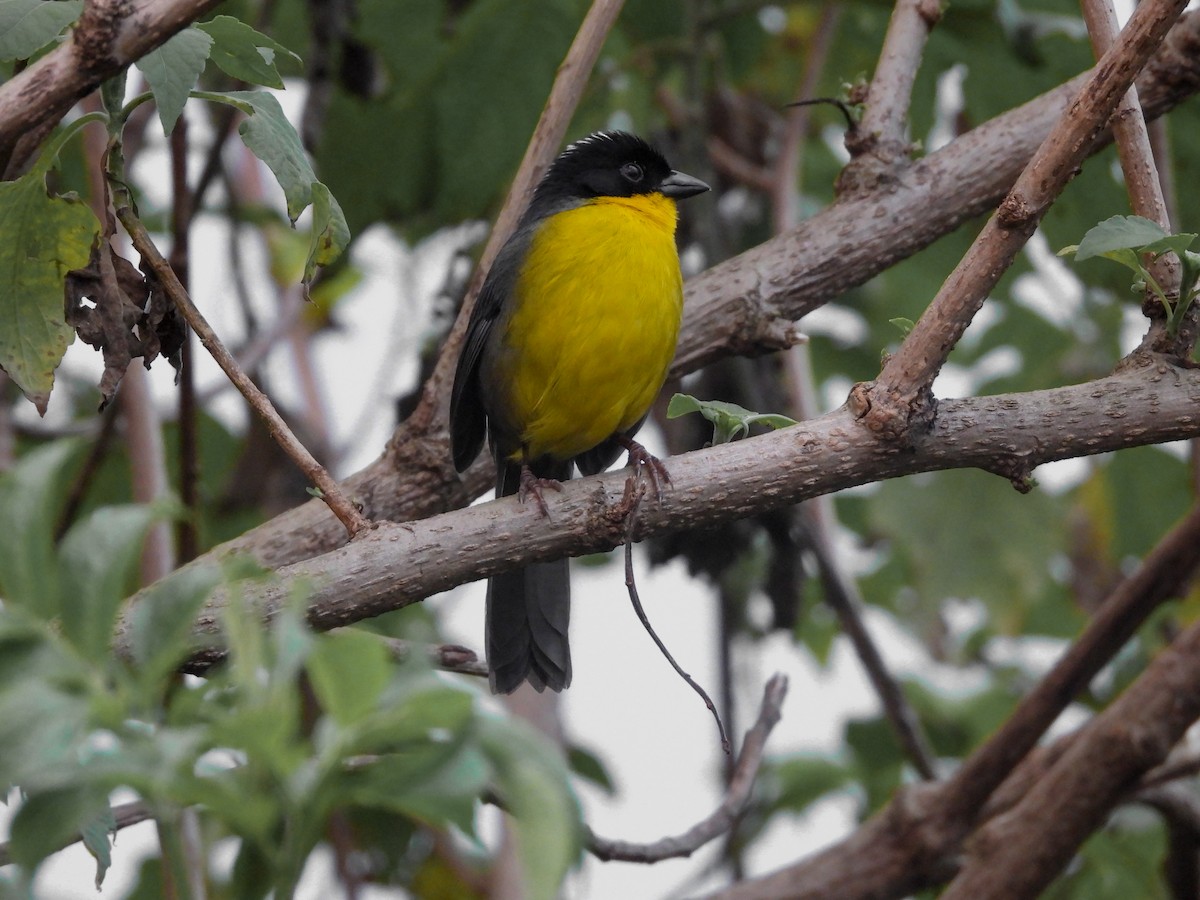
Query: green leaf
pixel 41 729
pixel 1118 233
pixel 172 70
pixel 270 136
pixel 161 623
pixel 42 237
pixel 330 233
pixel 905 325
pixel 97 839
pixel 587 765
pixel 28 507
pixel 730 421
pixel 532 782
pixel 1172 243
pixel 244 53
pixel 799 781
pixel 28 25
pixel 49 820
pixel 434 786
pixel 97 560
pixel 349 670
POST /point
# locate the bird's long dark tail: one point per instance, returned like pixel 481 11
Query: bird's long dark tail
pixel 528 611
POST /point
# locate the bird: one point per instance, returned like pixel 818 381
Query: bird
pixel 567 347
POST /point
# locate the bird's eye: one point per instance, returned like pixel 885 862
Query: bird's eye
pixel 632 172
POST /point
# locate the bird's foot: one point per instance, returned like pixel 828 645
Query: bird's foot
pixel 646 466
pixel 532 484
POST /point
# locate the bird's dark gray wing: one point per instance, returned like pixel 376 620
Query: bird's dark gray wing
pixel 468 418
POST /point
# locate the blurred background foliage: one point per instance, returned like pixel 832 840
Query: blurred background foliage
pixel 417 113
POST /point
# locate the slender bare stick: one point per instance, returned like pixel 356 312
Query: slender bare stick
pixel 841 594
pixel 635 490
pixel 347 513
pixel 902 393
pixel 737 795
pixel 1128 125
pixel 818 515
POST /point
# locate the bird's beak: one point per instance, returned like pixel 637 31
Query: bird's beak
pixel 677 186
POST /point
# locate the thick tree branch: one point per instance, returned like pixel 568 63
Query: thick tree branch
pixel 916 841
pixel 395 565
pixel 902 394
pixel 734 803
pixel 109 36
pixel 1021 852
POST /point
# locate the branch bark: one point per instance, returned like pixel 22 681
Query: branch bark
pixel 395 565
pixel 917 840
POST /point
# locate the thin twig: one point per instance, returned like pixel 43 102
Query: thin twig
pixel 1184 765
pixel 331 493
pixel 737 795
pixel 842 596
pixel 182 216
pixel 448 657
pixel 635 491
pixel 97 453
pixel 785 186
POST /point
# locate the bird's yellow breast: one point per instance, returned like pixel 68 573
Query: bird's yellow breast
pixel 593 328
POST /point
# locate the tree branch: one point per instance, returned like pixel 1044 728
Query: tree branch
pixel 737 795
pixel 109 36
pixel 916 841
pixel 1022 851
pixel 395 565
pixel 332 494
pixel 902 394
pixel 880 143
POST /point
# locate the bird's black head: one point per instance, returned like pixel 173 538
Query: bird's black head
pixel 613 164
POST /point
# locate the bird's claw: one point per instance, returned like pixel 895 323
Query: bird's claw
pixel 532 484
